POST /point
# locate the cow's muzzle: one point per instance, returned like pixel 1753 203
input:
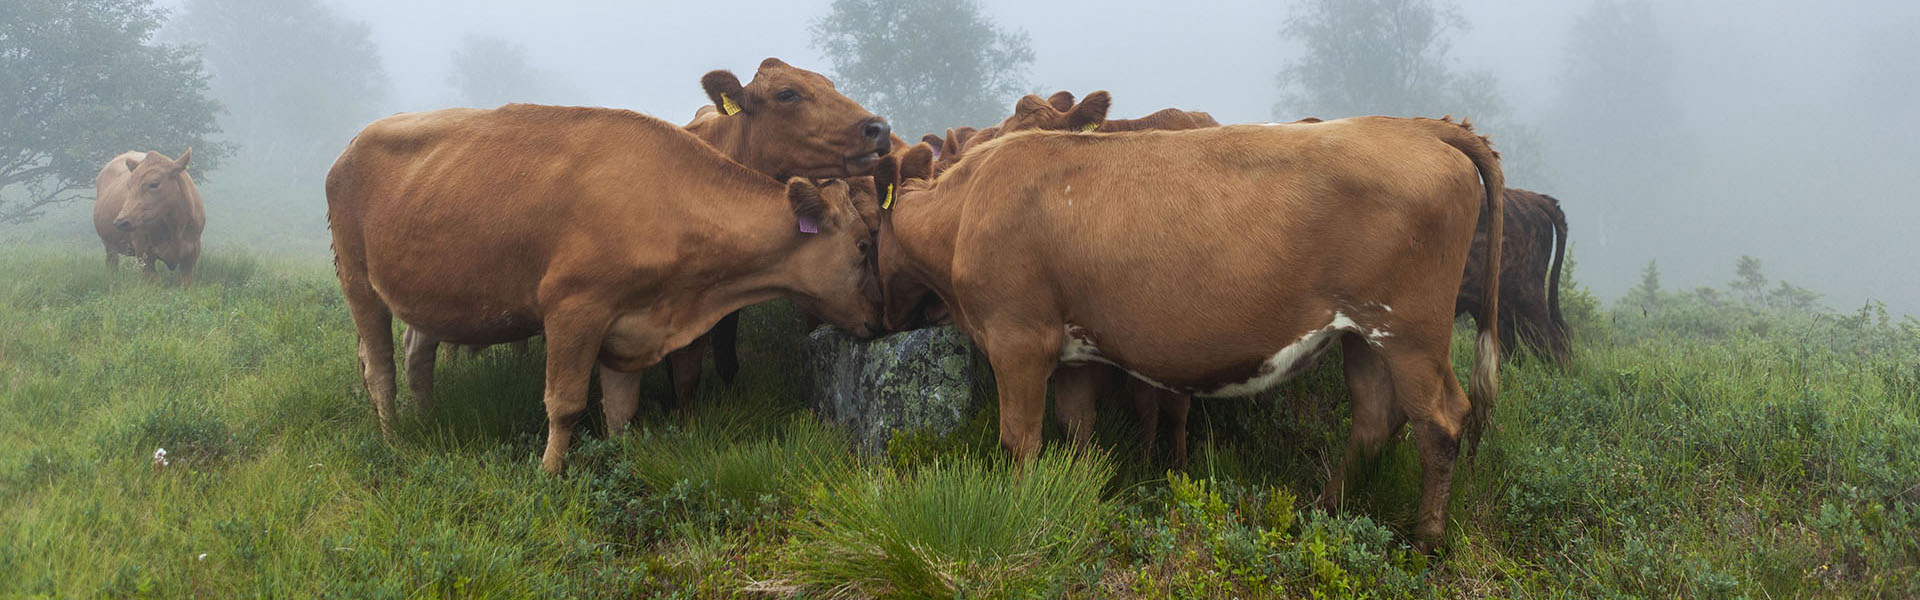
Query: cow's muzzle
pixel 123 224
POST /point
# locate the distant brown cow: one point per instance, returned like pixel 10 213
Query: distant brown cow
pixel 618 236
pixel 1218 262
pixel 787 122
pixel 1534 243
pixel 145 206
pixel 1061 113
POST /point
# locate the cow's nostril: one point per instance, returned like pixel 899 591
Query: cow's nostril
pixel 123 225
pixel 877 130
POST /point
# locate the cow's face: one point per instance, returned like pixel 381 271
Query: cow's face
pixel 835 257
pixel 1032 112
pixel 156 184
pixel 798 124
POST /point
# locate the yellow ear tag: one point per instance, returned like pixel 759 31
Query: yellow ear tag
pixel 727 106
pixel 1089 127
pixel 887 203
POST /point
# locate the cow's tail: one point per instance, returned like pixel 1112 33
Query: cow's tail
pixel 1560 332
pixel 1483 387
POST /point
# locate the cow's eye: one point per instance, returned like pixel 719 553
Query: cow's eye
pixel 863 246
pixel 153 185
pixel 787 96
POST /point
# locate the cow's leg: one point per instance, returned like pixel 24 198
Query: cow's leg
pixel 619 397
pixel 1524 316
pixel 1022 360
pixel 1074 391
pixel 1424 387
pixel 421 352
pixel 684 366
pixel 1146 408
pixel 374 324
pixel 113 260
pixel 1375 416
pixel 726 357
pixel 573 341
pixel 187 266
pixel 1173 408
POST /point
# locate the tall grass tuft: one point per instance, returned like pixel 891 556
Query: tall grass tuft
pixel 965 528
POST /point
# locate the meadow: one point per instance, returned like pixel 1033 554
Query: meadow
pixel 1702 444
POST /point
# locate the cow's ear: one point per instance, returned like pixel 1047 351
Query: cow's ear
pixel 1090 112
pixel 951 145
pixel 772 62
pixel 809 209
pixel 181 165
pixel 886 176
pixel 132 164
pixel 933 139
pixel 1031 107
pixel 724 89
pixel 1062 100
pixel 917 163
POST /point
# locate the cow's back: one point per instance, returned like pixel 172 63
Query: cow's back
pixel 437 209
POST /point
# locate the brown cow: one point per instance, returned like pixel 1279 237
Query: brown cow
pixel 145 206
pixel 1217 262
pixel 618 236
pixel 1077 388
pixel 787 122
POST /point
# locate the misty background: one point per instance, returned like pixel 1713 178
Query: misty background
pixel 1691 132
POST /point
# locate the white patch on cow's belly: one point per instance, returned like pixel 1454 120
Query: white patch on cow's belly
pixel 1077 347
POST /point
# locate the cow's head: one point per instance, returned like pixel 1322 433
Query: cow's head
pixel 156 184
pixel 909 302
pixel 797 124
pixel 835 257
pixel 1032 112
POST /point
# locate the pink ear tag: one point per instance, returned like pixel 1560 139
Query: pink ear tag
pixel 808 225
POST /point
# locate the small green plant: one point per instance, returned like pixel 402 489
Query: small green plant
pixel 964 528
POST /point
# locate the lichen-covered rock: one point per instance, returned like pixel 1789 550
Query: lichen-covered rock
pixel 920 380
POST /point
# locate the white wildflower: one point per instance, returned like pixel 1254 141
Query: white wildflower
pixel 159 457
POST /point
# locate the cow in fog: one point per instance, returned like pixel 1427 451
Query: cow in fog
pixel 787 122
pixel 1216 262
pixel 146 206
pixel 617 236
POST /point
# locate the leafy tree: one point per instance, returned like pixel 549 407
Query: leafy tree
pixel 82 81
pixel 298 79
pixel 1391 57
pixel 925 65
pixel 1615 113
pixel 1368 57
pixel 1648 292
pixel 1748 280
pixel 490 71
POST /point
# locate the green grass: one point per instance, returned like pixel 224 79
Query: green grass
pixel 1697 447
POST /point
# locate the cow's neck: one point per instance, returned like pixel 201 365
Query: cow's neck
pixel 927 230
pixel 729 135
pixel 750 256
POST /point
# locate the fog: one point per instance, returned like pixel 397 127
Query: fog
pixel 1791 124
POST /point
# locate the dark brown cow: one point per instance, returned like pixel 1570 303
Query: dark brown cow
pixel 618 236
pixel 787 122
pixel 146 206
pixel 1534 243
pixel 1217 262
